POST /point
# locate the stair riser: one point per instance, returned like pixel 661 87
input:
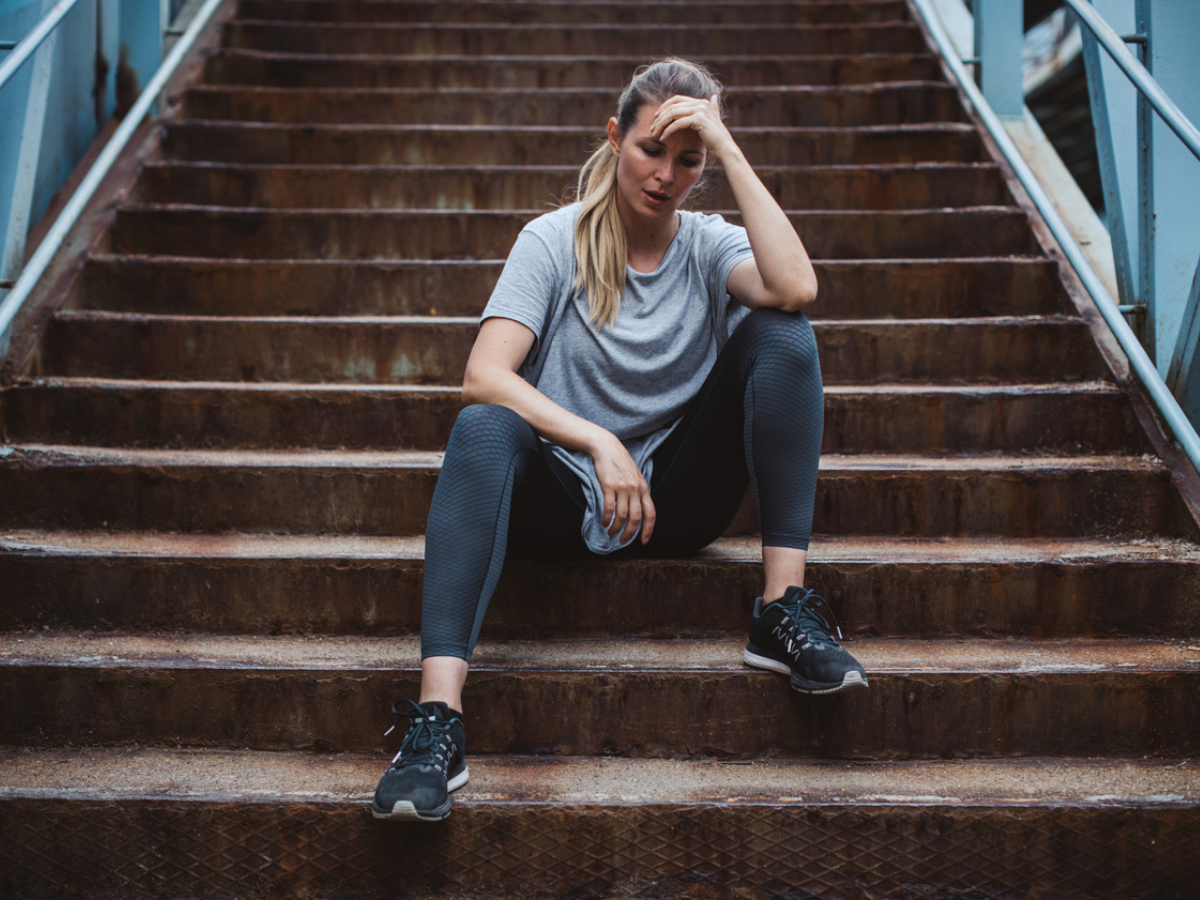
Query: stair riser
pixel 690 598
pixel 1090 502
pixel 738 713
pixel 515 72
pixel 335 849
pixel 652 43
pixel 878 105
pixel 933 423
pixel 330 188
pixel 346 145
pixel 848 290
pixel 329 351
pixel 210 232
pixel 581 13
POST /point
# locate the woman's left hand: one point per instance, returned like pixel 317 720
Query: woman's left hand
pixel 702 116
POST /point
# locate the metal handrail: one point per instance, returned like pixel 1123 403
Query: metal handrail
pixel 1138 358
pixel 57 234
pixel 1137 73
pixel 33 40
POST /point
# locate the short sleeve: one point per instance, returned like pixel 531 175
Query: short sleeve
pixel 722 246
pixel 528 284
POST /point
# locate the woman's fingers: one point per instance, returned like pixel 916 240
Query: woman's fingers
pixel 627 501
pixel 702 116
pixel 648 515
pixel 635 517
pixel 622 513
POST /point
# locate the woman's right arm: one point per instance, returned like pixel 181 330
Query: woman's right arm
pixel 491 377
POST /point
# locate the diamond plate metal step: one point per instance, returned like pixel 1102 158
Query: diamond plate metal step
pixel 629 828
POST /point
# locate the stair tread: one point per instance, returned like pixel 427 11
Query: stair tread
pixel 825 548
pixel 222 776
pixel 582 130
pixel 905 388
pixel 75 455
pixel 204 208
pixel 680 28
pixel 551 93
pixel 896 656
pixel 425 168
pixel 502 59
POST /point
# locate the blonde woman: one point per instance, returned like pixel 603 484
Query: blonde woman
pixel 636 366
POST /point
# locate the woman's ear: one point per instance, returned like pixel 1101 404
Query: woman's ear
pixel 614 137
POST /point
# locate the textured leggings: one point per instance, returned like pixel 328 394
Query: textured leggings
pixel 501 491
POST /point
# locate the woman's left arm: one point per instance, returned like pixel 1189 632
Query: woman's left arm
pixel 780 274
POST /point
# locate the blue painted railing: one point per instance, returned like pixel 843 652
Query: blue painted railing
pixel 73 41
pixel 1163 196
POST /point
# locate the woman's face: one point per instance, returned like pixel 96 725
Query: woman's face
pixel 654 177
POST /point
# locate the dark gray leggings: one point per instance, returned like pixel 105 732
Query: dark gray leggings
pixel 500 491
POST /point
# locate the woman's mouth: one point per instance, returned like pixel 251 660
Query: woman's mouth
pixel 655 198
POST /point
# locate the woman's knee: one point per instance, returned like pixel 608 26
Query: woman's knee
pixel 780 339
pixel 486 431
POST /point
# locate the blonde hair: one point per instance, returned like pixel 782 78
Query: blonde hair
pixel 601 245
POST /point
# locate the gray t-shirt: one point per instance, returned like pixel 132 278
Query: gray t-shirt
pixel 634 378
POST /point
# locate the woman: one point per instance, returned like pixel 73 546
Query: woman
pixel 620 401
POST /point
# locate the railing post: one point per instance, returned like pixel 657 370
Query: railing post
pixel 141 31
pixel 1183 374
pixel 22 151
pixel 999 31
pixel 1114 102
pixel 1171 184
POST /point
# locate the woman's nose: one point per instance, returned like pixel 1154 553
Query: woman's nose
pixel 666 174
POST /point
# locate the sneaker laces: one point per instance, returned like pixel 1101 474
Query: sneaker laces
pixel 426 739
pixel 805 617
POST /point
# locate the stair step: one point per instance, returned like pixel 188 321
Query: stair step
pixel 689 40
pixel 330 584
pixel 233 233
pixel 926 186
pixel 868 289
pixel 876 104
pixel 934 828
pixel 388 493
pixel 689 698
pixel 1038 418
pixel 472 145
pixel 775 12
pixel 541 72
pixel 429 350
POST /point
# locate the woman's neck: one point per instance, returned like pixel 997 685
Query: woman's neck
pixel 649 241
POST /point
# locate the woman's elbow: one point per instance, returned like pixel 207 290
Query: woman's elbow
pixel 799 296
pixel 473 387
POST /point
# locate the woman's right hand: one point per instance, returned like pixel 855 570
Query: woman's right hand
pixel 627 503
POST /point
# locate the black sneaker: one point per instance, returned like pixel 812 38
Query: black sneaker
pixel 790 636
pixel 430 764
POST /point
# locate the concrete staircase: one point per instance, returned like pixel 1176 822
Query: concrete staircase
pixel 219 459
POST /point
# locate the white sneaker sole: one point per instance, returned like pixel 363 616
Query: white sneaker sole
pixel 852 679
pixel 404 811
